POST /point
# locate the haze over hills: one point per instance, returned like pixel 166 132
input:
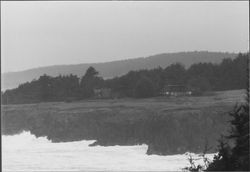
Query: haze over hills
pixel 115 68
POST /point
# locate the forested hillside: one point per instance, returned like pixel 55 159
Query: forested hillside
pixel 230 74
pixel 115 68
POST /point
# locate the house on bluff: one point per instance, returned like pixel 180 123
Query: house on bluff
pixel 102 93
pixel 176 90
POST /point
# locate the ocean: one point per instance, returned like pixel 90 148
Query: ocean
pixel 25 152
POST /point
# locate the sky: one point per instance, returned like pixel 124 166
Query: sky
pixel 36 34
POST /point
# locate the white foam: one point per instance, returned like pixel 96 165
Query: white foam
pixel 25 152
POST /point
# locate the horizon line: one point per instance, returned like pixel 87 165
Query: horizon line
pixel 133 58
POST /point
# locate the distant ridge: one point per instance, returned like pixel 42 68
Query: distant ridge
pixel 115 68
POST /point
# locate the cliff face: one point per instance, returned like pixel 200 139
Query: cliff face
pixel 167 125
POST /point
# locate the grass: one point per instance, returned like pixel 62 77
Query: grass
pixel 167 124
pixel 156 104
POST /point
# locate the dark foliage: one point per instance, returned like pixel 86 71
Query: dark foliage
pixel 233 149
pixel 44 89
pixel 201 77
pixel 237 157
pixel 175 74
pixel 144 88
pixel 90 81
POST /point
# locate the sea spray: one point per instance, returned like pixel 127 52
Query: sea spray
pixel 25 152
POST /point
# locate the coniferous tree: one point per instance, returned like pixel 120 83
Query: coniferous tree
pixel 236 158
pixel 90 81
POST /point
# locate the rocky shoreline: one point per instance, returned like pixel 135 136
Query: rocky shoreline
pixel 166 126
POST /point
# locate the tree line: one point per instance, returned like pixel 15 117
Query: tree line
pixel 230 74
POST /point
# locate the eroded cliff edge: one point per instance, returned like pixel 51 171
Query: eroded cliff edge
pixel 167 125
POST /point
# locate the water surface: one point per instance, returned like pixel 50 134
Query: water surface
pixel 25 152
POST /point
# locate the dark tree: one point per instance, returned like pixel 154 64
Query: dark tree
pixel 199 84
pixel 90 81
pixel 175 74
pixel 91 73
pixel 235 158
pixel 144 88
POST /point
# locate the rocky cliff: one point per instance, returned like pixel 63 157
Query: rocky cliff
pixel 166 125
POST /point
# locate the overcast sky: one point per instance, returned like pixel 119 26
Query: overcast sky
pixel 35 34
